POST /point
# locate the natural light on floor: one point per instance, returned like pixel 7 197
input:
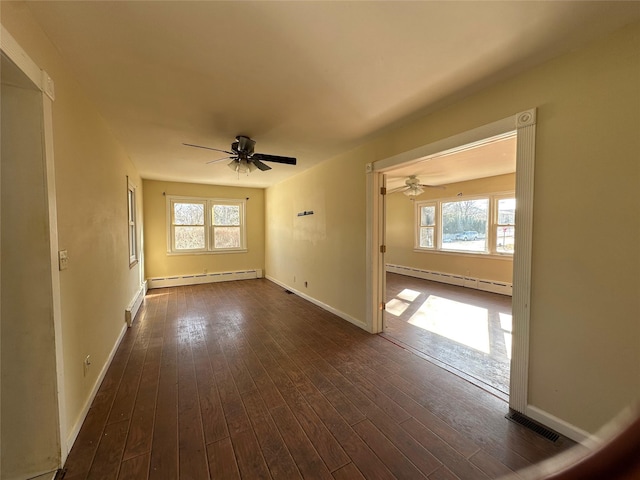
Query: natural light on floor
pixel 506 325
pixel 460 322
pixel 396 307
pixel 408 295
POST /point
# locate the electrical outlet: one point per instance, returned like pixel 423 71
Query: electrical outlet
pixel 86 364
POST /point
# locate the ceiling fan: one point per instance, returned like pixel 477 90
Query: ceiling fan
pixel 243 158
pixel 413 187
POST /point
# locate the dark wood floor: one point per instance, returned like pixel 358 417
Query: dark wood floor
pixel 242 380
pixel 481 356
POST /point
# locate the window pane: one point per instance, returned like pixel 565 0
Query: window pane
pixel 189 238
pixel 226 215
pixel 426 237
pixel 507 211
pixel 464 225
pixel 226 237
pixel 505 239
pixel 427 216
pixel 188 214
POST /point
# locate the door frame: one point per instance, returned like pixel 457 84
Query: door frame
pixel 44 83
pixel 525 125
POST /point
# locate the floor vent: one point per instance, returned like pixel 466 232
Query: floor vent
pixel 531 425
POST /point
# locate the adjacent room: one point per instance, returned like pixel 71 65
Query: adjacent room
pixel 203 276
pixel 450 231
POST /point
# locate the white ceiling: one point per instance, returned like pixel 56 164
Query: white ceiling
pixel 493 157
pixel 304 79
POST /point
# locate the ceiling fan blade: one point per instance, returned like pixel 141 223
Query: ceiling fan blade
pixel 221 159
pixel 274 158
pixel 397 189
pixel 442 187
pixel 260 165
pixel 208 148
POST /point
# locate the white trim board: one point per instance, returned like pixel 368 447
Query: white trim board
pixel 492 286
pixel 320 304
pixel 199 278
pixel 73 434
pixel 560 426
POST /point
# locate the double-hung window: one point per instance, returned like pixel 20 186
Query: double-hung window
pixel 205 225
pixel 132 228
pixel 505 224
pixel 427 227
pixel 475 225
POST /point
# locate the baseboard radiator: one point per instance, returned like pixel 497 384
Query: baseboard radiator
pixel 132 309
pixel 460 280
pixel 196 279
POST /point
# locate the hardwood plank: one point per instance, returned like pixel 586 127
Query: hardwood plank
pixel 279 460
pixel 492 467
pixel 348 472
pixel 164 445
pixel 136 468
pixel 106 463
pixel 309 462
pixel 249 456
pixel 390 455
pixel 222 460
pixel 454 461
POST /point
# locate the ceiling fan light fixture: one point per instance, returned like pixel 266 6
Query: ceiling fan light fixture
pixel 414 191
pixel 242 166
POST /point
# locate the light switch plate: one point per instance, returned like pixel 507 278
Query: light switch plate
pixel 63 260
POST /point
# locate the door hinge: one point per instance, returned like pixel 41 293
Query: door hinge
pixel 383 190
pixel 383 306
pixel 383 249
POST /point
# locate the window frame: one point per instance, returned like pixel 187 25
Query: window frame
pixel 435 226
pixel 209 244
pixel 490 234
pixel 132 224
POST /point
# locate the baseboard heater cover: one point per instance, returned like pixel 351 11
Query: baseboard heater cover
pixel 132 309
pixel 451 279
pixel 196 279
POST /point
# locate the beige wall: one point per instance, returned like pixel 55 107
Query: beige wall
pixel 585 304
pixel 326 249
pixel 401 226
pixel 159 263
pixel 91 172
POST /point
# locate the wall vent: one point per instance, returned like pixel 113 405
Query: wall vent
pixel 534 426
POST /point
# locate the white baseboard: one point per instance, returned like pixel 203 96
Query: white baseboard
pixel 560 426
pixel 492 286
pixel 73 434
pixel 328 308
pixel 196 279
pixel 132 309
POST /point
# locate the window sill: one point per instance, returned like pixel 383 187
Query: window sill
pixel 495 256
pixel 217 252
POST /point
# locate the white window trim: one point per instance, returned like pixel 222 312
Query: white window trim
pixel 491 247
pixel 208 203
pixel 132 223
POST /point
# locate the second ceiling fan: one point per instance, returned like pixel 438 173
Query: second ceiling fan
pixel 412 187
pixel 243 157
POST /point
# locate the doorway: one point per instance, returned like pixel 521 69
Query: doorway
pixel 450 225
pixel 524 123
